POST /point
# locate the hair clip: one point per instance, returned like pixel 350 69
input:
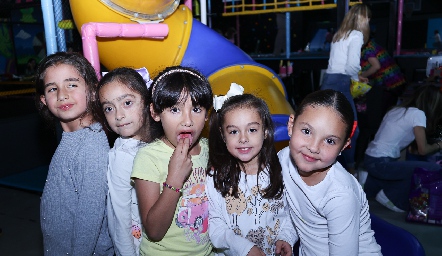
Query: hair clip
pixel 235 89
pixel 145 74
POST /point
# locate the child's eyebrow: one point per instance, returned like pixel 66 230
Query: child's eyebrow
pixel 124 96
pixel 119 98
pixel 249 124
pixel 66 80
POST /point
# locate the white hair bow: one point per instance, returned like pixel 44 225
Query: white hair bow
pixel 235 89
pixel 145 74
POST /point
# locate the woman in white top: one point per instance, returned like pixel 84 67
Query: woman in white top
pixel 389 179
pixel 344 63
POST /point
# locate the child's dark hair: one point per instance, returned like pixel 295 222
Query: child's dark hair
pixel 173 85
pixel 333 99
pixel 427 98
pixel 84 69
pixel 133 81
pixel 225 168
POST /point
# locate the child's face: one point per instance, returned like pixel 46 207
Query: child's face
pixel 65 95
pixel 244 135
pixel 317 137
pixel 182 121
pixel 123 109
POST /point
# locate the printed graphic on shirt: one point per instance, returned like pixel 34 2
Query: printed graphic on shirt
pixel 193 212
pixel 251 205
pixel 136 232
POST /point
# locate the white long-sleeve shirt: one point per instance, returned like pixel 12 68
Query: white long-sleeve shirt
pixel 125 225
pixel 345 55
pixel 331 217
pixel 238 224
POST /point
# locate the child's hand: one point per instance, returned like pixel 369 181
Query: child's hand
pixel 180 164
pixel 363 79
pixel 283 248
pixel 255 251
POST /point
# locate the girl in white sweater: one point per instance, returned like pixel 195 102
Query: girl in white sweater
pixel 327 204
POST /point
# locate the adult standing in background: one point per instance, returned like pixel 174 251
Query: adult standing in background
pixel 388 83
pixel 344 63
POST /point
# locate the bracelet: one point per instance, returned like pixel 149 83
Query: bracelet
pixel 438 145
pixel 179 190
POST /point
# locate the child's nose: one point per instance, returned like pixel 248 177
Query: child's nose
pixel 62 95
pixel 119 115
pixel 314 146
pixel 243 138
pixel 187 120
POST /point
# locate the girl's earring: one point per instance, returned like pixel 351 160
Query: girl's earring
pixel 340 153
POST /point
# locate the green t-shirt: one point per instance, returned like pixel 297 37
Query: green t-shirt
pixel 188 234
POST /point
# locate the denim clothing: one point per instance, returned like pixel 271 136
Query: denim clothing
pixel 341 82
pixel 393 176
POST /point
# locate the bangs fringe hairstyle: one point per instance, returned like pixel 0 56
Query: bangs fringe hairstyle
pixel 84 69
pixel 130 78
pixel 226 169
pixel 172 86
pixel 331 99
pixel 357 18
pixel 427 98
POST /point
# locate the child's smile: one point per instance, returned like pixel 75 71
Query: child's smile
pixel 65 107
pixel 65 95
pixel 309 158
pixel 317 139
pixel 244 135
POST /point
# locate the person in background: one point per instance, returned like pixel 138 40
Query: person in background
pixel 344 63
pixel 388 83
pixel 382 71
pixel 389 178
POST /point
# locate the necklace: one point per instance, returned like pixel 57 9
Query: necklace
pixel 169 142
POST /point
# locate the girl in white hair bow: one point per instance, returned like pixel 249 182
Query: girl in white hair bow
pixel 247 213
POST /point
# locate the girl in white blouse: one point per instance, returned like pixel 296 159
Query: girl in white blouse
pixel 247 213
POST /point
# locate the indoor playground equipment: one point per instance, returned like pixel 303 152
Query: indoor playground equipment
pixel 183 41
pixel 242 7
